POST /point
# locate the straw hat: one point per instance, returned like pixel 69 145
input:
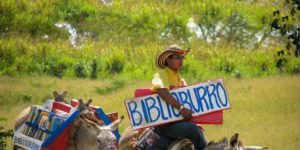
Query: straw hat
pixel 161 59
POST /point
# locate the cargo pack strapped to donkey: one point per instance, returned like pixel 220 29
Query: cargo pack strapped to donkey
pixel 48 126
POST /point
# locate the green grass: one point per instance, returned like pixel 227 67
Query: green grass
pixel 128 35
pixel 265 111
pixel 22 57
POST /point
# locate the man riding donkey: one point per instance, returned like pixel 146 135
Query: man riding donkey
pixel 168 78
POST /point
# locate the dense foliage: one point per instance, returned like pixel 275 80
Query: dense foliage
pixel 98 39
pixel 3 136
pixel 287 22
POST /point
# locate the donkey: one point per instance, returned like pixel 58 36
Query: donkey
pixel 130 140
pixel 59 97
pixel 86 131
pixel 233 144
pixel 236 144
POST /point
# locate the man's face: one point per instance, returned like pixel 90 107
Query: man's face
pixel 175 61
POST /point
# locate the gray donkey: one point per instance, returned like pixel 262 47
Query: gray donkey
pixel 234 144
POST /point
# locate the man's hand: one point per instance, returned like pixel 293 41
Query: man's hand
pixel 186 114
pixel 168 98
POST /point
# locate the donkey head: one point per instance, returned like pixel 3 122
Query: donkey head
pixel 234 142
pixel 86 133
pixel 106 139
pixel 59 97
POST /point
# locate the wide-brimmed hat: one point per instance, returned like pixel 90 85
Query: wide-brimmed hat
pixel 161 59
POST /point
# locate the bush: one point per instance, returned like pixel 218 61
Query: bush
pixel 3 136
pixel 94 71
pixel 58 69
pixel 7 16
pixel 115 64
pixel 80 70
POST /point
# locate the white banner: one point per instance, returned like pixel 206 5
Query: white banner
pixel 27 142
pixel 200 98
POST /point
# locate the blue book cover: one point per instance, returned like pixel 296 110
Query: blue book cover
pixel 56 122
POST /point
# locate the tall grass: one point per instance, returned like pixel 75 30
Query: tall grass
pixel 124 38
pixel 263 110
pixel 133 61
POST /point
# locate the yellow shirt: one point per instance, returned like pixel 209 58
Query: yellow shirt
pixel 166 78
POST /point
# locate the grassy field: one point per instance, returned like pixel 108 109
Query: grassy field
pixel 265 111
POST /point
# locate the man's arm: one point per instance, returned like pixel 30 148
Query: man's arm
pixel 168 98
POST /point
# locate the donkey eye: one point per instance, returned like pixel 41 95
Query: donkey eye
pixel 98 140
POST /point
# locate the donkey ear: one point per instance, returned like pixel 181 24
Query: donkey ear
pixel 55 93
pixel 114 125
pixel 89 102
pixel 65 93
pixel 234 140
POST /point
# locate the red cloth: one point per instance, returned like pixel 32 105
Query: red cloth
pixel 62 141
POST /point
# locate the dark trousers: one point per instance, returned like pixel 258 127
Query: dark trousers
pixel 177 131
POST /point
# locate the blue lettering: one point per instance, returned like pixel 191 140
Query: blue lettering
pixel 195 109
pixel 201 98
pixel 191 101
pixel 134 112
pixel 184 99
pixel 162 109
pixel 224 92
pixel 175 112
pixel 144 111
pixel 174 94
pixel 19 140
pixel 151 107
pixel 211 94
pixel 27 143
pixel 169 110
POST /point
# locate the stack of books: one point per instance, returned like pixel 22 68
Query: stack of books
pixel 41 123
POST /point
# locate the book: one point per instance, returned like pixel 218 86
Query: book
pixel 30 118
pixel 56 122
pixel 42 121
